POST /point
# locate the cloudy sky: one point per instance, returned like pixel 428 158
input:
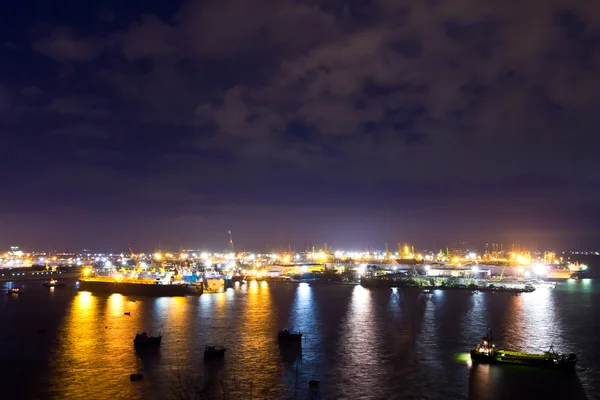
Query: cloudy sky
pixel 354 122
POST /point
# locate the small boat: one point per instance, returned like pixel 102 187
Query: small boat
pixel 486 353
pixel 126 313
pixel 287 336
pixel 427 291
pixel 14 291
pixel 142 339
pixel 213 352
pixel 53 283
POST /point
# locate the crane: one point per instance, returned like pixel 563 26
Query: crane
pixel 133 258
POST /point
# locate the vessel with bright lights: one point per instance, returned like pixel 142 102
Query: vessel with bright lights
pixel 572 271
pixel 486 353
pixel 53 283
pixel 137 287
pixel 14 291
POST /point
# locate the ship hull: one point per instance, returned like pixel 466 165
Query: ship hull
pixel 530 360
pixel 137 289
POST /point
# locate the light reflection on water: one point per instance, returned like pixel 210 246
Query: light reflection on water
pixel 359 343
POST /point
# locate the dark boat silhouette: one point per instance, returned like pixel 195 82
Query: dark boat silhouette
pixel 14 291
pixel 144 340
pixel 286 335
pixel 214 352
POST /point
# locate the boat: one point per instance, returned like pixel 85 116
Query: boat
pixel 486 353
pixel 286 335
pixel 137 287
pixel 214 352
pixel 563 273
pixel 143 339
pixel 53 283
pixel 14 291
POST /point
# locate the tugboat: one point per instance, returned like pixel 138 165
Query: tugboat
pixel 53 283
pixel 287 336
pixel 14 291
pixel 214 352
pixel 142 339
pixel 486 353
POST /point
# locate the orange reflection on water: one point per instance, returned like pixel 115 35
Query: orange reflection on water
pixel 92 351
pixel 116 303
pixel 258 319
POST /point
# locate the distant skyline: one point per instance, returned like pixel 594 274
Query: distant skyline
pixel 348 122
pixel 379 247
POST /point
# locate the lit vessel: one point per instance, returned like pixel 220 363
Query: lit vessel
pixel 137 287
pixel 572 271
pixel 486 353
pixel 53 283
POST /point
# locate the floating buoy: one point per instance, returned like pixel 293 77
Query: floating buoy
pixel 136 377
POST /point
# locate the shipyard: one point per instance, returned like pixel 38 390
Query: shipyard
pixel 195 272
pixel 143 300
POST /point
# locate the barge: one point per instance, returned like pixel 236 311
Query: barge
pixel 486 353
pixel 138 287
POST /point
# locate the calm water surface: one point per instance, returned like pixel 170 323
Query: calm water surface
pixel 360 344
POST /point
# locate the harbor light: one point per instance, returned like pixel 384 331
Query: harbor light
pixel 539 269
pixel 362 269
pixel 107 264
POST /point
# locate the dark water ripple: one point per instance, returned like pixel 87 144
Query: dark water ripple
pixel 359 343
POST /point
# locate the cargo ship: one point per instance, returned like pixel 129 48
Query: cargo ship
pixel 572 271
pixel 486 353
pixel 137 287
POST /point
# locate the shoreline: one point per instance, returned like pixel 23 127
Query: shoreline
pixel 31 276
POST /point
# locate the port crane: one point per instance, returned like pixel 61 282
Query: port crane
pixel 137 267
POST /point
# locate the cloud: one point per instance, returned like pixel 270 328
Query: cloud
pixel 64 45
pixel 409 101
pixel 77 104
pixel 4 99
pixel 32 92
pixel 10 46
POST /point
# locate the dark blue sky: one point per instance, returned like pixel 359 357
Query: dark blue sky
pixel 352 122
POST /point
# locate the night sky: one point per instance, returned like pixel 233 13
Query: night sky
pixel 353 122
